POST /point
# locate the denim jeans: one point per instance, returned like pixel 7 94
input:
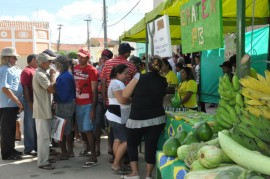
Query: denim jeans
pixel 30 134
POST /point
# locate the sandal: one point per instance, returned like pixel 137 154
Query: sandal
pixel 51 160
pixel 47 167
pixel 89 164
pixel 97 153
pixel 84 153
pixel 121 171
pixel 71 155
pixel 64 157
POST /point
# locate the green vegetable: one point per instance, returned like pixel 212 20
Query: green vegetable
pixel 225 172
pixel 182 152
pixel 192 154
pixel 203 131
pixel 180 136
pixel 196 165
pixel 211 156
pixel 170 147
pixel 190 138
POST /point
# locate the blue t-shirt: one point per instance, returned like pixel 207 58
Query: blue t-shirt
pixel 10 78
pixel 65 88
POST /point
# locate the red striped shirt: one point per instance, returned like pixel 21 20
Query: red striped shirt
pixel 106 71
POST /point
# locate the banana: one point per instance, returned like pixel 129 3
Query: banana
pixel 239 100
pixel 222 123
pixel 254 84
pixel 252 94
pixel 267 76
pixel 235 82
pixel 264 148
pixel 226 82
pixel 262 79
pixel 243 140
pixel 223 111
pixel 259 112
pixel 263 134
pixel 222 103
pixel 254 102
pixel 237 109
pixel 232 114
pixel 244 119
pixel 241 127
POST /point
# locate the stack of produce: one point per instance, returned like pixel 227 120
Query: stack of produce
pixel 230 103
pixel 257 94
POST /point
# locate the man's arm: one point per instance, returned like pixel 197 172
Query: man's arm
pixel 94 99
pixel 14 98
pixel 28 99
pixel 103 91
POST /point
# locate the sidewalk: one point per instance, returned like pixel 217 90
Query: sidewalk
pixel 64 169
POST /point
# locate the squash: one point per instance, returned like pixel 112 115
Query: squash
pixel 211 156
pixel 243 156
pixel 182 152
pixel 225 172
pixel 196 165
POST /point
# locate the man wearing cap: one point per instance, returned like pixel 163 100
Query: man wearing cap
pixel 227 68
pixel 11 102
pixel 124 51
pixel 30 134
pixel 86 77
pixel 100 110
pixel 43 87
pixel 64 104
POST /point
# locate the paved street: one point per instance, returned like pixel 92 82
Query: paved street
pixel 65 169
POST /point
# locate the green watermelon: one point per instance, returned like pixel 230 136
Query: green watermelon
pixel 170 147
pixel 203 131
pixel 190 138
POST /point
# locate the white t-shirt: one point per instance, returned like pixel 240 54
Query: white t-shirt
pixel 117 112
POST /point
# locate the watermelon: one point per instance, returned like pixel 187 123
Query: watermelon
pixel 170 147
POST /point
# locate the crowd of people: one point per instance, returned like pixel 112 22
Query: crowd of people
pixel 117 92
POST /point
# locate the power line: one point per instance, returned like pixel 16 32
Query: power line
pixel 126 14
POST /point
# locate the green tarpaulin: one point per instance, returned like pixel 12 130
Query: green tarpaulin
pixel 211 59
pixel 172 7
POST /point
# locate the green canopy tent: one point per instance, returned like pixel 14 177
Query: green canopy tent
pixel 172 8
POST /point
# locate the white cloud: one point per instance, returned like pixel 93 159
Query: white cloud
pixel 72 17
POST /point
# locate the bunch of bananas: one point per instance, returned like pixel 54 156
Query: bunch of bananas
pixel 256 94
pixel 230 103
pixel 252 132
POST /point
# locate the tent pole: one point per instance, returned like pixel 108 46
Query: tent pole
pixel 240 35
pixel 268 56
pixel 146 48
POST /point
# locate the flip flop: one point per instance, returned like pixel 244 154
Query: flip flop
pixel 89 164
pixel 121 171
pixel 84 153
pixel 47 167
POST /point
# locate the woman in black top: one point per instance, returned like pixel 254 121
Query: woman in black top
pixel 147 117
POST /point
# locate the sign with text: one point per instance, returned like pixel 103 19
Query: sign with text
pixel 160 36
pixel 201 25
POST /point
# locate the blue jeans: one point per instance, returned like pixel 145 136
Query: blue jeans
pixel 30 133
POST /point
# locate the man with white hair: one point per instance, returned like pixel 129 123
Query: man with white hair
pixel 43 87
pixel 11 102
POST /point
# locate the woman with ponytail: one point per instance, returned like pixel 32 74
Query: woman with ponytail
pixel 147 116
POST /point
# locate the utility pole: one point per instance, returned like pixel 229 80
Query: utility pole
pixel 58 42
pixel 88 38
pixel 105 24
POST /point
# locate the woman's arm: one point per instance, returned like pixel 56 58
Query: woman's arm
pixel 120 98
pixel 187 97
pixel 127 92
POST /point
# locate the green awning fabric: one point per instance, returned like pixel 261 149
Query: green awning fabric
pixel 172 8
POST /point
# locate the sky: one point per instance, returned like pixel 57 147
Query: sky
pixel 73 13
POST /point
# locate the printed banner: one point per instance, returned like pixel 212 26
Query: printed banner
pixel 201 25
pixel 160 38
